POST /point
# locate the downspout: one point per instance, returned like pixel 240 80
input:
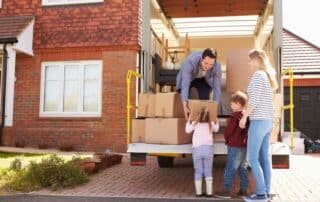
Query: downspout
pixel 3 92
pixel 4 81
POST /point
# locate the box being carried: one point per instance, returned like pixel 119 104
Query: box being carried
pixel 195 107
pixel 166 131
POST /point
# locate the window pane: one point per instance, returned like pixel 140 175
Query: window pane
pixel 91 96
pixel 51 96
pixel 71 88
pixel 52 73
pixel 92 71
pixel 51 90
pixel 91 88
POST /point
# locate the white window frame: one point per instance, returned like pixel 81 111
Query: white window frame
pixel 0 3
pixel 66 2
pixel 60 112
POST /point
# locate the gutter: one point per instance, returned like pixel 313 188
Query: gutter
pixel 4 81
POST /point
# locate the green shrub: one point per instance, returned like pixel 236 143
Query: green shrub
pixel 16 164
pixel 52 172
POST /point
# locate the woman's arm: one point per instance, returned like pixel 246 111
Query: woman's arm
pixel 246 113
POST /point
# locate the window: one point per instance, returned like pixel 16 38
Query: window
pixel 0 3
pixel 71 89
pixel 63 2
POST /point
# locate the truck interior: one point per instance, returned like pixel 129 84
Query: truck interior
pixel 177 28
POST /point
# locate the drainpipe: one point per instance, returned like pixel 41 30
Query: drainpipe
pixel 4 82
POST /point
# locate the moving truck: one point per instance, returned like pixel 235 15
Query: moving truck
pixel 173 29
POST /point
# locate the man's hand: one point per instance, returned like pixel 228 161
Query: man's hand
pixel 186 110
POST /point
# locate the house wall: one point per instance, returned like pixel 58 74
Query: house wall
pixel 108 31
pixel 113 22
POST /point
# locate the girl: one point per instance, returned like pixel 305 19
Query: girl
pixel 202 150
pixel 260 111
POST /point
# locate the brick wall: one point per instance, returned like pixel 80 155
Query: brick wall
pixel 303 82
pixel 113 22
pixel 108 31
pixel 97 134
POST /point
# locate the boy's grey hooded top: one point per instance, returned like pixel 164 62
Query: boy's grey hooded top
pixel 189 71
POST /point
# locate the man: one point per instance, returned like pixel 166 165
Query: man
pixel 200 73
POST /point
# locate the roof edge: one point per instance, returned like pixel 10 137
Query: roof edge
pixel 304 40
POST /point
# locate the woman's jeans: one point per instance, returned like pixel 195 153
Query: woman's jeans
pixel 202 162
pixel 236 161
pixel 258 149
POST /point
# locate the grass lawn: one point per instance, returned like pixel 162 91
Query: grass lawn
pixel 7 158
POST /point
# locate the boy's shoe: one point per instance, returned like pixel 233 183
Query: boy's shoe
pixel 256 198
pixel 242 193
pixel 224 194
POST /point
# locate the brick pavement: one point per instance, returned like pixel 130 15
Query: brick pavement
pixel 299 183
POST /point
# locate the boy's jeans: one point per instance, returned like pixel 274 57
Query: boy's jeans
pixel 236 161
pixel 202 161
pixel 259 154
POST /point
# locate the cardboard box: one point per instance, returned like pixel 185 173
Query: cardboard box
pixel 278 104
pixel 219 138
pixel 169 105
pixel 146 106
pixel 138 130
pixel 166 131
pixel 195 107
pixel 238 71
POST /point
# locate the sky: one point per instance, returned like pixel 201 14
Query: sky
pixel 302 17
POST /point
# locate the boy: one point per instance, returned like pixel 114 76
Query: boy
pixel 236 140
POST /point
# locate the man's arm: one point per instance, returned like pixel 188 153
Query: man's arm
pixel 186 76
pixel 216 87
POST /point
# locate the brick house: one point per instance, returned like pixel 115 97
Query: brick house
pixel 65 64
pixel 303 57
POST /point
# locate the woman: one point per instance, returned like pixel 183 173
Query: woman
pixel 261 88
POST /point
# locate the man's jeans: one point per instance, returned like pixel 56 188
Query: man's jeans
pixel 258 149
pixel 202 162
pixel 202 88
pixel 236 161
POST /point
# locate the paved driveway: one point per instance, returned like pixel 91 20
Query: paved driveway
pixel 133 183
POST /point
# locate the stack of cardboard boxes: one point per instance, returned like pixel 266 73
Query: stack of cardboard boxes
pixel 161 118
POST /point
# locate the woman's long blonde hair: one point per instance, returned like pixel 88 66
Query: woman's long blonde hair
pixel 265 65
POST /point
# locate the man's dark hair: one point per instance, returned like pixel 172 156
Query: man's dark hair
pixel 208 52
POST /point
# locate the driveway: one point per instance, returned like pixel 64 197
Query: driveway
pixel 150 183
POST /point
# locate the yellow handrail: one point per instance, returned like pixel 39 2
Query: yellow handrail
pixel 289 71
pixel 130 73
